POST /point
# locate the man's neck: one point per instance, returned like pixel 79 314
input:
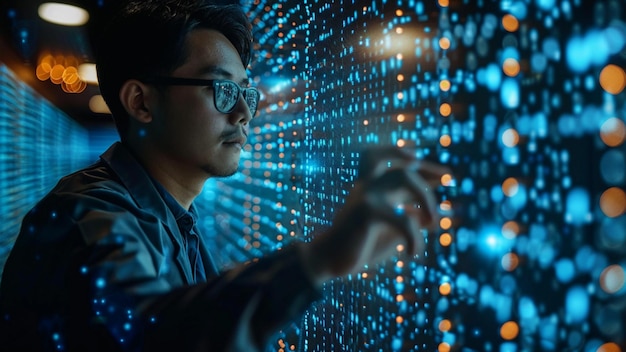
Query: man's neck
pixel 175 176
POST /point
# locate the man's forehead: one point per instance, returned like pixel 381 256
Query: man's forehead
pixel 223 72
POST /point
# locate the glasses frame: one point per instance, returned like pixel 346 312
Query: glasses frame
pixel 181 81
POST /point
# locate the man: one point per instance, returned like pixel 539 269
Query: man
pixel 111 258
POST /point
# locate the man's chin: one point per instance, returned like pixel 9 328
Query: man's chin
pixel 212 171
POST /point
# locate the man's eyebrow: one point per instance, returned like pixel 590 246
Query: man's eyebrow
pixel 219 71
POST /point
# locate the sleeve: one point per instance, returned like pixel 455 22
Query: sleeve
pixel 235 312
pixel 125 296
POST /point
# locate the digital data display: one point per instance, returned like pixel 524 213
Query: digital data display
pixel 522 99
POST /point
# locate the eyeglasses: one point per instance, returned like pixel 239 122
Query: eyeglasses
pixel 225 92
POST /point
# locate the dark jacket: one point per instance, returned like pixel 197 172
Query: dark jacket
pixel 99 265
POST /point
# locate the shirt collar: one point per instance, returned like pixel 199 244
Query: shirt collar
pixel 184 218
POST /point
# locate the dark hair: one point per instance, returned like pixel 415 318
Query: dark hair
pixel 148 38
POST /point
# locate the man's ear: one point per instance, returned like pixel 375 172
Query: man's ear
pixel 134 96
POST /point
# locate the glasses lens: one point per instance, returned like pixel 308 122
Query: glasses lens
pixel 252 99
pixel 226 96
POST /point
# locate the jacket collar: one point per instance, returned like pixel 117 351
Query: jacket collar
pixel 141 188
pixel 136 179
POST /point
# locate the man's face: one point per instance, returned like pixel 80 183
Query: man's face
pixel 186 126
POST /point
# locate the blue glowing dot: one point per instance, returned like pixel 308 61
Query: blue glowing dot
pixel 496 194
pixel 577 54
pixel 56 336
pixel 510 93
pixel 467 185
pixel 546 4
pixel 509 53
pixel 577 208
pixel 508 285
pixel 564 270
pixel 576 305
pixel 511 156
pixel 83 269
pixel 518 200
pixel 518 9
pixel 127 326
pixel 613 167
pixel 616 39
pixel 527 310
pixel 508 347
pixel 493 77
pixel 100 283
pixel 538 62
pixel 599 46
pixel 551 49
pixel 613 232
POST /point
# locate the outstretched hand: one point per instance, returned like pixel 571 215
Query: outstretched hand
pixel 392 201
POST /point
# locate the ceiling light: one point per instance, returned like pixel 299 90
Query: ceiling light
pixel 87 73
pixel 98 105
pixel 63 14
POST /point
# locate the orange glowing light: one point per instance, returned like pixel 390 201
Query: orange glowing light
pixel 511 67
pixel 510 261
pixel 613 132
pixel 445 109
pixel 70 75
pixel 613 202
pixel 444 43
pixel 510 229
pixel 510 137
pixel 609 347
pixel 510 23
pixel 445 288
pixel 509 330
pixel 613 79
pixel 400 143
pixel 445 325
pixel 400 77
pixel 42 72
pixel 445 239
pixel 445 223
pixel 399 319
pixel 510 187
pixel 444 85
pixel 446 180
pixel 400 118
pixel 444 3
pixel 612 279
pixel 56 73
pixel 445 140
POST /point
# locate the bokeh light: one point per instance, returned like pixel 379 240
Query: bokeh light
pixel 613 132
pixel 613 202
pixel 613 79
pixel 612 279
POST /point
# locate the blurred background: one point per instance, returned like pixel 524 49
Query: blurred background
pixel 523 99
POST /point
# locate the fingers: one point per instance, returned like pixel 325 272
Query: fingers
pixel 406 220
pixel 372 160
pixel 404 187
pixel 400 191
